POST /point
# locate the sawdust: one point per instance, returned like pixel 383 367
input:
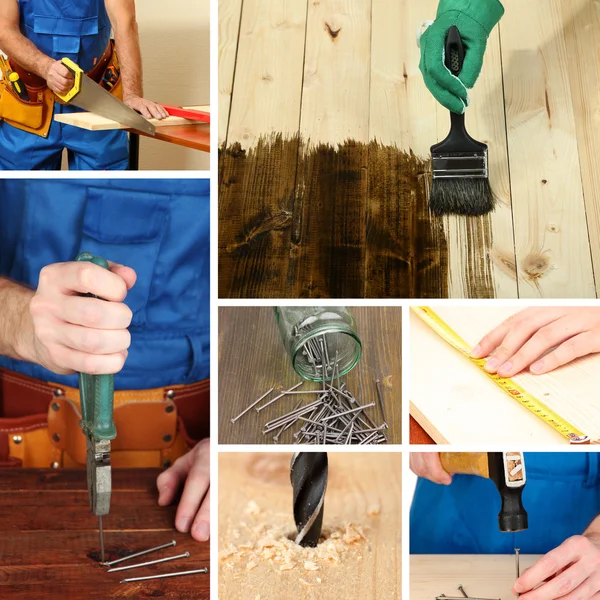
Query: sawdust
pixel 273 544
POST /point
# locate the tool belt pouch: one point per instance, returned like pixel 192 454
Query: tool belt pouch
pixel 113 63
pixel 33 116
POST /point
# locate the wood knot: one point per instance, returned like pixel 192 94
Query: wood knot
pixel 553 228
pixel 267 77
pixel 544 181
pixel 536 265
pixel 333 33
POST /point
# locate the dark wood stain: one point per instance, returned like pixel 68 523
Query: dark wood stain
pixel 303 220
pixel 479 275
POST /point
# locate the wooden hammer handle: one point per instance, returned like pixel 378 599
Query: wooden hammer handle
pixel 466 463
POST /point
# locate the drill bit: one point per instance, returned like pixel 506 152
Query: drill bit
pixel 518 568
pixel 101 531
pixel 308 473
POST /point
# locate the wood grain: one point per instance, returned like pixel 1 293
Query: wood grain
pixel 363 488
pixel 455 405
pixel 49 538
pixel 252 359
pixel 489 576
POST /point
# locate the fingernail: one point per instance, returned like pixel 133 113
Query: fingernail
pixel 492 364
pixel 537 367
pixel 476 351
pixel 183 524
pixel 505 368
pixel 202 531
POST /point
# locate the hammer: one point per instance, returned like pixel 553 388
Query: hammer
pixel 506 470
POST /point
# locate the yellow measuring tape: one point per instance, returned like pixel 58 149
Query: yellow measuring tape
pixel 532 404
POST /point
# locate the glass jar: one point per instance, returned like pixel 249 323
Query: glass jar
pixel 319 339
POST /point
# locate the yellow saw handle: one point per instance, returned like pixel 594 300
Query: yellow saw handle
pixel 78 72
pixel 466 463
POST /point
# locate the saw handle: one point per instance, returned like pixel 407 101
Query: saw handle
pixel 466 463
pixel 97 391
pixel 78 73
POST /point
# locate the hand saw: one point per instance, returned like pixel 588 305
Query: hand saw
pixel 90 96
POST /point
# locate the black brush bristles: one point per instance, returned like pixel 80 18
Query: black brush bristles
pixel 460 196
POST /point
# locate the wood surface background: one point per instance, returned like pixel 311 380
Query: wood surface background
pixel 300 220
pixel 252 359
pixel 484 576
pixel 455 405
pixel 49 544
pixel 358 483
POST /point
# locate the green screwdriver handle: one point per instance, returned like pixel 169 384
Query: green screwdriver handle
pixel 97 391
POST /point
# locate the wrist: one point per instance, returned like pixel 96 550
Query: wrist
pixel 43 66
pixel 24 336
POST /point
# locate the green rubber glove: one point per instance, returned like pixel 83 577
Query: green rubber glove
pixel 475 20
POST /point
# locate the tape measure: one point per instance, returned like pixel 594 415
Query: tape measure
pixel 532 404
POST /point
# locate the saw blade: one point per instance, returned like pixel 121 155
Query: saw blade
pixel 95 99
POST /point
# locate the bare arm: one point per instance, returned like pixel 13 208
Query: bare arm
pixel 15 45
pixel 122 18
pixel 16 331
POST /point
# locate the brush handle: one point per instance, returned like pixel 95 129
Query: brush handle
pixel 454 51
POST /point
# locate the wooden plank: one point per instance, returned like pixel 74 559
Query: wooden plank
pixel 553 251
pixel 230 14
pixel 363 488
pixel 485 576
pixel 257 177
pixel 582 37
pixel 328 251
pixel 252 359
pixel 470 397
pixel 93 122
pixel 49 538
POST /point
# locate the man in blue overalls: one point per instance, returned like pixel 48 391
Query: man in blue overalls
pixel 152 326
pixel 457 514
pixel 36 35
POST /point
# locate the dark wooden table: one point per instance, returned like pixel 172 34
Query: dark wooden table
pixel 252 359
pixel 49 544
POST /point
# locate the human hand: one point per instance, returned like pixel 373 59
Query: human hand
pixel 523 338
pixel 429 466
pixel 192 471
pixel 59 79
pixel 475 21
pixel 147 108
pixel 73 333
pixel 569 572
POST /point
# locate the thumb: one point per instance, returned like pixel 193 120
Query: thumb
pixel 127 274
pixel 472 65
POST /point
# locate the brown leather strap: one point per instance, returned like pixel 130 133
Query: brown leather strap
pixel 37 83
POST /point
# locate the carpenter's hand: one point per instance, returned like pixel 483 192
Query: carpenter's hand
pixel 525 338
pixel 569 572
pixel 429 466
pixel 72 333
pixel 59 79
pixel 192 471
pixel 147 108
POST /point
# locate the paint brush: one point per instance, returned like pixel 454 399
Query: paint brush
pixel 460 163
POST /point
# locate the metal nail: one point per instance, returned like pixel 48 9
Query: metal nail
pixel 461 589
pixel 252 405
pixel 151 562
pixel 259 408
pixel 164 575
pixel 130 556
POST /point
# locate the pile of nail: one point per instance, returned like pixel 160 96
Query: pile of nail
pixel 335 417
pixel 151 562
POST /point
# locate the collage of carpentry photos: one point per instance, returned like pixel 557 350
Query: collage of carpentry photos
pixel 362 301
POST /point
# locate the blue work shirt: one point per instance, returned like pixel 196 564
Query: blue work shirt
pixel 561 497
pixel 158 227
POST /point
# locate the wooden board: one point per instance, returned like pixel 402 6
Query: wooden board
pixel 93 122
pixel 252 359
pixel 49 538
pixel 485 576
pixel 460 404
pixel 363 489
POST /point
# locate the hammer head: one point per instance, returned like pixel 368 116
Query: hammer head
pixel 507 471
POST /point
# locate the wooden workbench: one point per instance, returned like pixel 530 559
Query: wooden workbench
pixel 318 102
pixel 255 500
pixel 482 576
pixel 252 359
pixel 49 544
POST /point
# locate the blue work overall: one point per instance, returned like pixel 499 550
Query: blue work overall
pixel 158 227
pixel 79 31
pixel 562 497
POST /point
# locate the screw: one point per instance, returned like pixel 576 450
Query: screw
pixel 462 591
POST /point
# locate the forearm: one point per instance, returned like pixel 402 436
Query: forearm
pixel 130 59
pixel 593 530
pixel 16 46
pixel 16 326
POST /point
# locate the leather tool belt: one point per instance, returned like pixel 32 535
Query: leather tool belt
pixel 35 115
pixel 39 424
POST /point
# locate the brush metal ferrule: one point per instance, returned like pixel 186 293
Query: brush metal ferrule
pixel 460 166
